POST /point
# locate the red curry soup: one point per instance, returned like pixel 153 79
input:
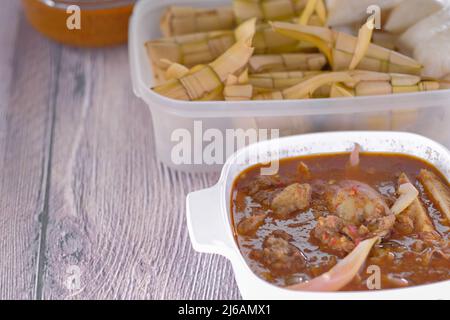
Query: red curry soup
pixel 345 222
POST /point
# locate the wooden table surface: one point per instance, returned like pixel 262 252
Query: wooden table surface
pixel 80 186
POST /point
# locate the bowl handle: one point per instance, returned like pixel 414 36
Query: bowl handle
pixel 207 228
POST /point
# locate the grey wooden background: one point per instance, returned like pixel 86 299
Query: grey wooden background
pixel 80 185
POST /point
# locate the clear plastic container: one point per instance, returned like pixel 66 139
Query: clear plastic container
pixel 426 113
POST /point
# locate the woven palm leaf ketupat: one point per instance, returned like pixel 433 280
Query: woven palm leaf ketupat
pixel 207 82
pixel 262 58
pixel 311 12
pixel 178 20
pixel 265 83
pixel 190 50
pixel 279 80
pixel 314 13
pixel 242 87
pixel 238 88
pixel 174 70
pixel 201 48
pixel 287 62
pixel 305 89
pixel 339 48
pixel 268 10
pixel 337 90
pixel 362 43
pixel 267 41
pixel 356 83
pixel 373 83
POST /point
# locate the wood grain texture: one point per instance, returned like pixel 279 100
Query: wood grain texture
pixel 80 184
pixel 9 16
pixel 28 71
pixel 114 211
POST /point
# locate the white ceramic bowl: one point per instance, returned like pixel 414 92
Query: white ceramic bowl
pixel 208 210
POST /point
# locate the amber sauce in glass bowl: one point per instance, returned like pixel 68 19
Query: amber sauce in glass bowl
pixel 102 22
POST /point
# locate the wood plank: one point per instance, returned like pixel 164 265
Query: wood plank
pixel 115 212
pixel 9 21
pixel 28 65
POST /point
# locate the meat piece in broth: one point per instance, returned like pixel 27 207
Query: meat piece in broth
pixel 262 189
pixel 358 212
pixel 270 192
pixel 415 218
pixel 359 204
pixel 295 197
pixel 382 226
pixel 263 183
pixel 249 225
pixel 438 192
pixel 356 202
pixel 330 231
pixel 279 255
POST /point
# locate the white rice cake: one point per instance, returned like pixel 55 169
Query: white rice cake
pixel 408 13
pixel 429 43
pixel 346 12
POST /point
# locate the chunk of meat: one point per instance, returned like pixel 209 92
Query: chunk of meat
pixel 358 212
pixel 293 198
pixel 356 202
pixel 383 226
pixel 282 234
pixel 415 218
pixel 438 192
pixel 262 189
pixel 263 183
pixel 249 225
pixel 279 255
pixel 330 232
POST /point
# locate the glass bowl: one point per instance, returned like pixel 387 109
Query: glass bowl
pixel 84 23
